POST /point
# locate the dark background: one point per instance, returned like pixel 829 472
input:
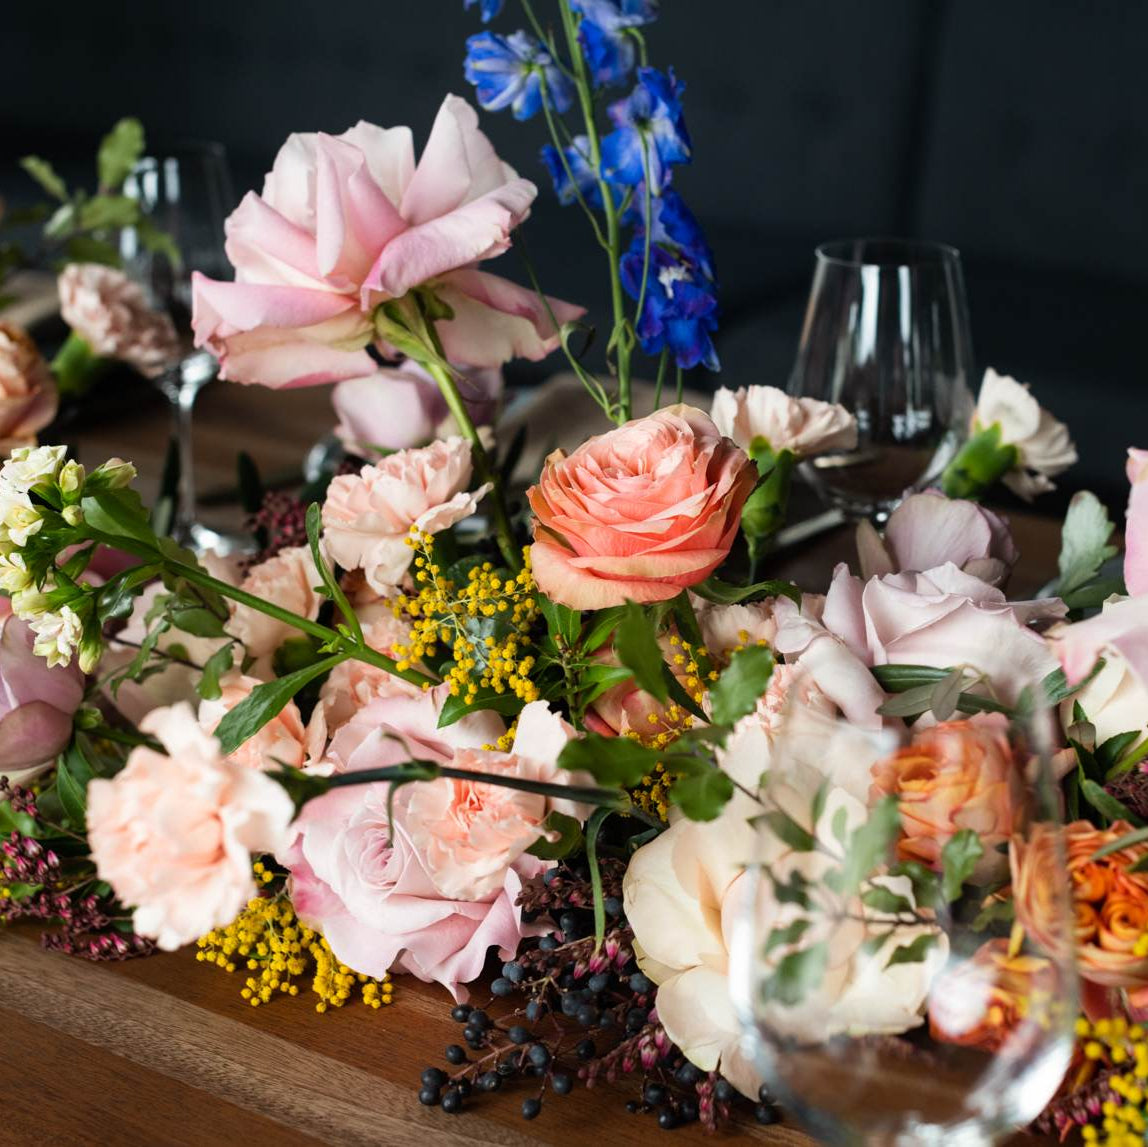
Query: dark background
pixel 1014 129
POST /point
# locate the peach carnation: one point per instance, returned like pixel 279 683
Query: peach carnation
pixel 279 742
pixel 289 580
pixel 27 390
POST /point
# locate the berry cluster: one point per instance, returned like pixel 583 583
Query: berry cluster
pixel 582 1013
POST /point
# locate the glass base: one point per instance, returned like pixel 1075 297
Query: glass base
pixel 202 539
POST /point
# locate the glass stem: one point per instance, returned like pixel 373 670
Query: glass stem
pixel 182 398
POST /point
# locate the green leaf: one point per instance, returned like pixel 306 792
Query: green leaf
pixel 616 761
pixel 331 587
pixel 795 974
pixel 914 953
pixel 1084 544
pixel 1109 753
pixel 947 694
pixel 119 152
pixel 795 890
pixel 197 621
pixel 882 899
pixel 994 912
pixel 45 175
pixel 213 668
pixel 89 249
pixel 20 822
pixel 742 684
pixel 909 702
pixel 839 826
pixel 1137 836
pixel 108 211
pixel 562 623
pixel 72 775
pixel 455 708
pixel 595 680
pixel 116 598
pixel 869 844
pixel 602 628
pixel 1106 804
pixel 926 883
pixel 569 838
pixel 703 795
pixel 119 514
pixel 159 242
pixel 593 827
pixel 723 593
pixel 958 859
pixel 788 831
pixel 266 701
pixel 636 646
pixel 782 937
pixel 899 678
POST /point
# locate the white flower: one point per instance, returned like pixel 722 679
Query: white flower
pixel 803 426
pixel 14 575
pixel 28 466
pixel 21 522
pixel 57 635
pixel 1043 443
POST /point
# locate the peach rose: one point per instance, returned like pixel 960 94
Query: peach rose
pixel 288 579
pixel 368 517
pixel 174 833
pixel 469 833
pixel 279 742
pixel 27 390
pixel 984 1001
pixel 638 513
pixel 764 415
pixel 112 315
pixel 1110 903
pixel 956 775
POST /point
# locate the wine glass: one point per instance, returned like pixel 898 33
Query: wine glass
pixel 186 192
pixel 892 989
pixel 886 335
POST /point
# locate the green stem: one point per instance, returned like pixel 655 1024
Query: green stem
pixel 496 499
pixel 620 339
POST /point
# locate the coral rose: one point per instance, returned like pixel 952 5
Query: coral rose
pixel 1110 902
pixel 112 315
pixel 27 390
pixel 279 742
pixel 174 833
pixel 983 1002
pixel 956 775
pixel 368 517
pixel 638 513
pixel 764 416
pixel 347 222
pixel 288 579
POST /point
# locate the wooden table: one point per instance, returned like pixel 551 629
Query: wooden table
pixel 163 1050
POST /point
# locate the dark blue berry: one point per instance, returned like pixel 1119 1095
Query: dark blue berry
pixel 539 1055
pixel 489 1081
pixel 606 1020
pixel 688 1110
pixel 585 1049
pixel 518 1034
pixel 653 1094
pixel 515 973
pixel 434 1077
pixel 547 943
pixel 455 1054
pixel 632 1106
pixel 570 1003
pixel 463 1088
pixel 428 1096
pixel 636 1019
pixel 452 1101
pixel 667 1120
pixel 531 1108
pixel 507 1067
pixel 479 1019
pixel 548 876
pixel 724 1091
pixel 561 1082
pixel 640 984
pixel 599 983
pixel 568 922
pixel 587 1015
pixel 460 1013
pixel 502 986
pixel 687 1075
pixel 473 1035
pixel 763 1095
pixel 766 1114
pixel 612 905
pixel 535 1010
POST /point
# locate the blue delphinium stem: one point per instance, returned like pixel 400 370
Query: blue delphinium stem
pixel 649 227
pixel 621 341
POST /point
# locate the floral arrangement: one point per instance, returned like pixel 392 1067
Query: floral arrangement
pixel 429 722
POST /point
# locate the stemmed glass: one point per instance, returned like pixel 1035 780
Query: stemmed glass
pixel 889 992
pixel 185 191
pixel 886 334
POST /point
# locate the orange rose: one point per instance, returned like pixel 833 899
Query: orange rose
pixel 638 513
pixel 956 775
pixel 1110 903
pixel 981 1002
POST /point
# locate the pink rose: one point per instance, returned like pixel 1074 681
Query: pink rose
pixel 1136 528
pixel 368 517
pixel 940 618
pixel 1120 630
pixel 112 315
pixel 279 742
pixel 757 415
pixel 402 406
pixel 361 881
pixel 469 834
pixel 37 703
pixel 638 513
pixel 927 530
pixel 348 222
pixel 27 390
pixel 288 579
pixel 174 834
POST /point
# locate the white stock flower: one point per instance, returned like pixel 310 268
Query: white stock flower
pixel 1043 443
pixel 57 635
pixel 803 426
pixel 27 466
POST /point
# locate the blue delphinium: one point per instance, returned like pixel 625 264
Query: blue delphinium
pixel 488 8
pixel 605 37
pixel 649 129
pixel 507 72
pixel 576 175
pixel 673 224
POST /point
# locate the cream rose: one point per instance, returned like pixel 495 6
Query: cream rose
pixel 764 415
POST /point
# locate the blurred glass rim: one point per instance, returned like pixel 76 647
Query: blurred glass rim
pixel 883 251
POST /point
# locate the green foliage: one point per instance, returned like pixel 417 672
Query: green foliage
pixel 1084 547
pixel 915 952
pixel 702 795
pixel 1106 804
pixel 214 667
pixel 455 708
pixel 958 859
pixel 724 593
pixel 45 175
pixel 636 646
pixel 570 838
pixel 868 845
pixel 119 152
pixel 612 761
pixel 562 623
pixel 796 973
pixel 742 684
pixel 788 831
